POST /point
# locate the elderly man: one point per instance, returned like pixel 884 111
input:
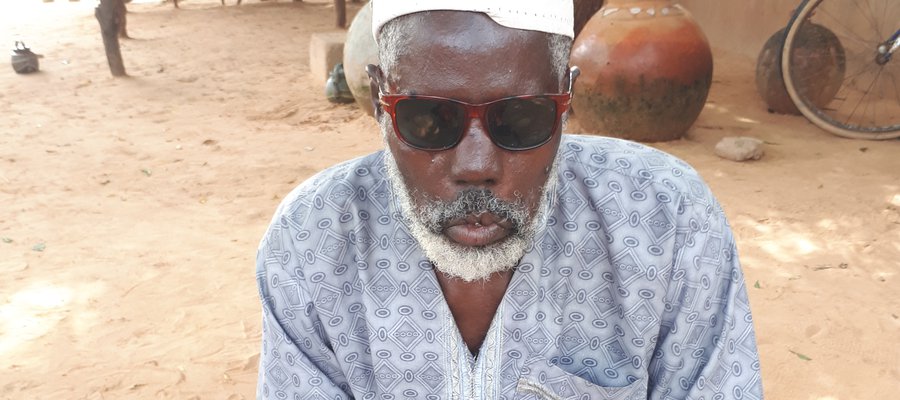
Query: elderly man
pixel 485 255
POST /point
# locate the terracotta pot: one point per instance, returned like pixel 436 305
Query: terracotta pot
pixel 646 71
pixel 818 56
pixel 360 50
pixel 584 10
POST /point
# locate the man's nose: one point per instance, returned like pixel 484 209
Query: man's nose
pixel 476 160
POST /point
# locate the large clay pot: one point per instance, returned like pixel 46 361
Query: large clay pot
pixel 646 71
pixel 584 10
pixel 360 50
pixel 818 56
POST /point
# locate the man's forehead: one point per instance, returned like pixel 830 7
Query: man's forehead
pixel 474 65
pixel 459 31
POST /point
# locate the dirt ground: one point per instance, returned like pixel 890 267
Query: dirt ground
pixel 130 209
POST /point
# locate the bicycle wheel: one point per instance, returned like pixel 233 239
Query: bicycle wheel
pixel 839 67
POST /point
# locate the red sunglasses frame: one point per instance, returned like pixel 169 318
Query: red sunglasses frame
pixel 472 111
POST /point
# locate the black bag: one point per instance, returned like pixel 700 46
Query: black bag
pixel 23 60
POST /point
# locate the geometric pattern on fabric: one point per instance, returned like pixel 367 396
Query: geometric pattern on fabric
pixel 632 290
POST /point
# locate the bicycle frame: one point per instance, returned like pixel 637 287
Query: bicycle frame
pixel 886 50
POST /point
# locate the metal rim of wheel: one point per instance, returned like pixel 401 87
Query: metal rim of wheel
pixel 824 117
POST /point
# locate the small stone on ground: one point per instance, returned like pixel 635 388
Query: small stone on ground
pixel 740 148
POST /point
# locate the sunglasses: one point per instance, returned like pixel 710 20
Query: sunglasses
pixel 514 123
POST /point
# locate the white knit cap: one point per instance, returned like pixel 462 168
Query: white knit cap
pixel 551 16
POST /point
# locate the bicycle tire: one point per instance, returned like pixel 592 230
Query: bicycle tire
pixel 814 113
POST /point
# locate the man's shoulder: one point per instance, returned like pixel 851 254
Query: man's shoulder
pixel 609 161
pixel 335 190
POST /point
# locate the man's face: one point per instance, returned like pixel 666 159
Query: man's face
pixel 468 57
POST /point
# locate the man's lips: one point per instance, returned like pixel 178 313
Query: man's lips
pixel 477 230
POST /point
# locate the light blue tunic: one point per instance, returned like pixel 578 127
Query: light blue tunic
pixel 632 291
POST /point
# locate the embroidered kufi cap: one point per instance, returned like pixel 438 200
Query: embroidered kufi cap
pixel 549 16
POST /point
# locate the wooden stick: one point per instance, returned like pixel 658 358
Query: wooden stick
pixel 122 11
pixel 340 8
pixel 107 15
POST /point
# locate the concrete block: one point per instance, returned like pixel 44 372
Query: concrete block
pixel 325 50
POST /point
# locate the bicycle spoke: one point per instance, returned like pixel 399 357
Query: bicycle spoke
pixel 846 28
pixel 875 25
pixel 850 39
pixel 896 92
pixel 848 88
pixel 867 17
pixel 866 67
pixel 864 95
pixel 809 80
pixel 869 103
pixel 885 22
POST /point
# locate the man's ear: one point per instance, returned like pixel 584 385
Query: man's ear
pixel 376 77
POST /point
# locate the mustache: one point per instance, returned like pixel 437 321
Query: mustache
pixel 437 214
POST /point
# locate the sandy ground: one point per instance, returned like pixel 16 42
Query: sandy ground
pixel 130 209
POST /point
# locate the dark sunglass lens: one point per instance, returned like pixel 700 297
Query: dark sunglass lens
pixel 430 124
pixel 522 123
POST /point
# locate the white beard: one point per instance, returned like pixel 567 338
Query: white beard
pixel 465 262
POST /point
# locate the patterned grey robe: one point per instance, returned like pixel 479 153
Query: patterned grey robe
pixel 633 290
